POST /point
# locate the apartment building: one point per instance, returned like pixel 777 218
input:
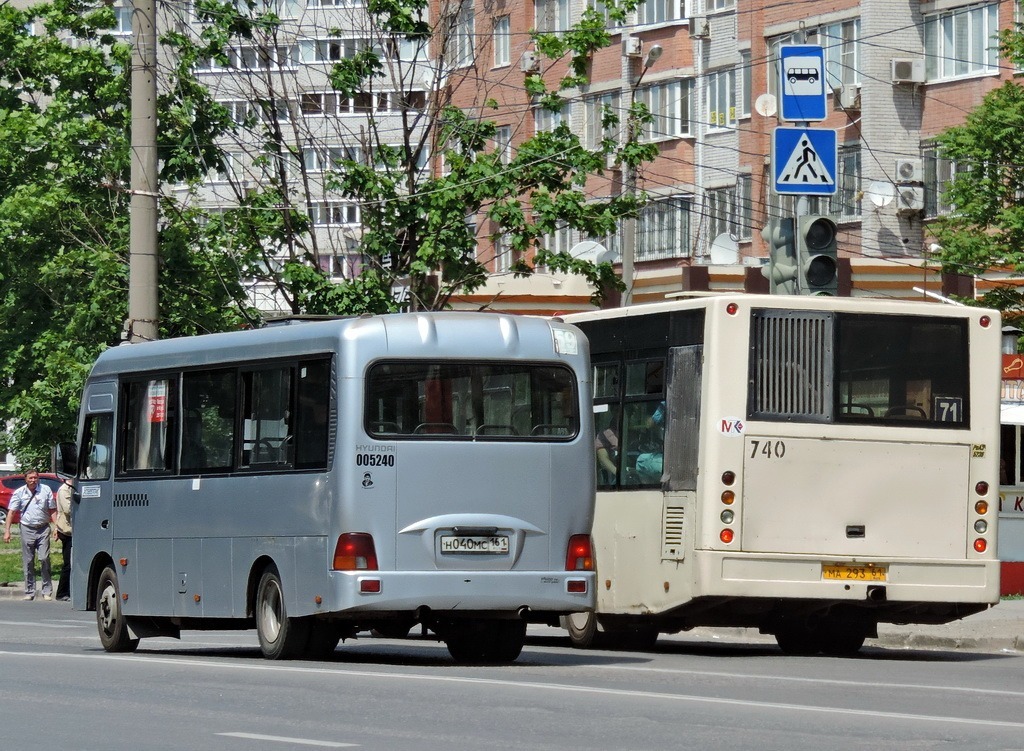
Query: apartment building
pixel 897 75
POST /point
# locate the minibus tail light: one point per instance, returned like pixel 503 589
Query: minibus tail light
pixel 355 552
pixel 580 556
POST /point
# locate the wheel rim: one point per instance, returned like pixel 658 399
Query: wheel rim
pixel 107 610
pixel 579 621
pixel 270 612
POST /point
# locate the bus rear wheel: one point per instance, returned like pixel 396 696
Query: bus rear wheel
pixel 485 641
pixel 281 637
pixel 110 620
pixel 582 628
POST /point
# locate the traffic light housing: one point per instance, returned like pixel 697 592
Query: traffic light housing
pixel 817 255
pixel 782 269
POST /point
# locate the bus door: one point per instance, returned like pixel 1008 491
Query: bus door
pixel 93 508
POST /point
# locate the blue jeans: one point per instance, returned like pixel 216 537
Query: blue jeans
pixel 36 542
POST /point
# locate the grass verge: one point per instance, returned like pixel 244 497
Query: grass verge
pixel 10 560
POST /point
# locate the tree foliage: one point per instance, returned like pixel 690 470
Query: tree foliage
pixel 985 229
pixel 64 222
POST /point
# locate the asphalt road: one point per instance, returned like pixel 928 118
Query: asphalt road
pixel 213 691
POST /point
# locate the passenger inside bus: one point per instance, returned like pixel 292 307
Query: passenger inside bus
pixel 606 446
pixel 650 460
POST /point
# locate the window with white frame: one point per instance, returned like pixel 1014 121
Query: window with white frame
pixel 938 174
pixel 230 168
pixel 720 4
pixel 503 143
pixel 326 158
pixel 461 46
pixel 545 121
pixel 333 213
pixel 122 22
pixel 330 104
pixel 502 253
pixel 663 229
pixel 261 58
pixel 244 111
pixel 596 109
pixel 335 3
pixel 841 43
pixel 659 11
pixel 502 41
pixel 331 50
pixel 551 16
pixel 743 76
pixel 846 203
pixel 280 8
pixel 670 107
pixel 722 99
pixel 558 241
pixel 728 210
pixel 961 42
pixel 602 10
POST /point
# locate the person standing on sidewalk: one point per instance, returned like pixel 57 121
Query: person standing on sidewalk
pixel 38 508
pixel 62 532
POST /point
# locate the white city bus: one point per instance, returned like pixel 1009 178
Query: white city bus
pixel 324 478
pixel 807 466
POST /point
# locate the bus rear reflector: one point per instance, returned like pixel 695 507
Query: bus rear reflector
pixel 580 555
pixel 370 586
pixel 355 552
pixel 577 586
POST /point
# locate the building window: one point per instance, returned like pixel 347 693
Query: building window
pixel 602 10
pixel 503 143
pixel 659 11
pixel 502 254
pixel 330 50
pixel 596 109
pixel 841 42
pixel 846 203
pixel 663 229
pixel 330 213
pixel 720 4
pixel 461 49
pixel 552 16
pixel 743 73
pixel 939 172
pixel 670 106
pixel 729 211
pixel 961 42
pixel 502 41
pixel 722 99
pixel 558 241
pixel 335 3
pixel 545 120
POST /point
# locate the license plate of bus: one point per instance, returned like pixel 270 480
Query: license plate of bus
pixel 497 544
pixel 854 573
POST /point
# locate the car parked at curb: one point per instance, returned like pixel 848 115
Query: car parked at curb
pixel 10 483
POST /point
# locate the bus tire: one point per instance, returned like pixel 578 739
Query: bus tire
pixel 798 638
pixel 281 637
pixel 842 637
pixel 507 642
pixel 323 640
pixel 485 641
pixel 582 628
pixel 110 620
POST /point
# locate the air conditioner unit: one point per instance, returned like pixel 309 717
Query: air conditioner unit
pixel 529 62
pixel 908 70
pixel 910 199
pixel 632 46
pixel 699 27
pixel 846 98
pixel 908 171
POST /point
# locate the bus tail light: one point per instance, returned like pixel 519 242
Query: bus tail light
pixel 355 552
pixel 580 555
pixel 980 545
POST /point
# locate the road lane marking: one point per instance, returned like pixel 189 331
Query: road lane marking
pixel 284 739
pixel 530 685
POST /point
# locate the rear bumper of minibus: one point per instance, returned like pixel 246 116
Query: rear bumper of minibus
pixel 548 592
pixel 803 577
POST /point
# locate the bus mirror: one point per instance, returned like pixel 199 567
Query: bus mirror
pixel 66 459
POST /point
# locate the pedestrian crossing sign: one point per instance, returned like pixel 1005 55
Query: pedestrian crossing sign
pixel 804 161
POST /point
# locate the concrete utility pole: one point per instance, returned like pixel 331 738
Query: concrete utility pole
pixel 629 226
pixel 143 311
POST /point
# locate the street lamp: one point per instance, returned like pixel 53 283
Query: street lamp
pixel 629 227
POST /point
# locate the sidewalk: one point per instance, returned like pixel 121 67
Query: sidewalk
pixel 998 629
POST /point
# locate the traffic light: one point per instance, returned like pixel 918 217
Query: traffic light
pixel 818 255
pixel 782 267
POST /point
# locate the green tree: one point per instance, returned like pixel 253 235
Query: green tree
pixel 985 229
pixel 64 219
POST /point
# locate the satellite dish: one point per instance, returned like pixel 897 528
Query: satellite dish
pixel 724 250
pixel 588 250
pixel 881 193
pixel 766 105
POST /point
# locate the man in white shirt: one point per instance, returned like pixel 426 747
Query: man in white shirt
pixel 38 510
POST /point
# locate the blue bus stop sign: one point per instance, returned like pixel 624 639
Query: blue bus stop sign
pixel 802 79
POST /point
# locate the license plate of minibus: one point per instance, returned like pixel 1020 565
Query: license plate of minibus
pixel 474 544
pixel 854 573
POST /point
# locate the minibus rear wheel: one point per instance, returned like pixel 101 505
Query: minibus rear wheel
pixel 281 637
